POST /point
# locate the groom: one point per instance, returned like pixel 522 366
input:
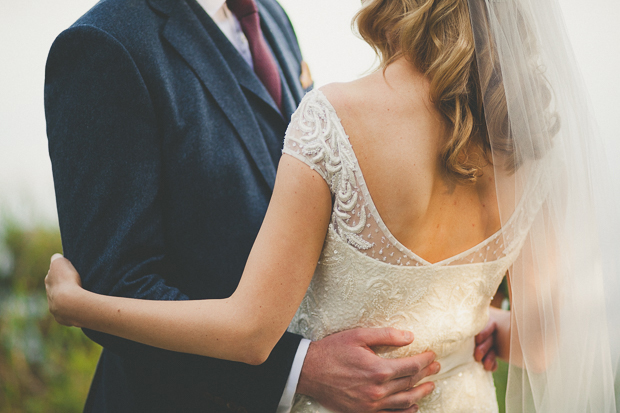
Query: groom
pixel 165 123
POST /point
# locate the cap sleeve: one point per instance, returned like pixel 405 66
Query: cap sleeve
pixel 311 136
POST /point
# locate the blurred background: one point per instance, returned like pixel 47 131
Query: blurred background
pixel 47 368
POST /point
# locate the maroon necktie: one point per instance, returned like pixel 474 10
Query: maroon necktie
pixel 265 65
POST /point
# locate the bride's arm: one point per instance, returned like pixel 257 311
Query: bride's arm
pixel 244 327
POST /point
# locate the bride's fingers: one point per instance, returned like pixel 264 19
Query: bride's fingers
pixel 60 263
pixel 407 383
pixel 61 270
pixel 407 399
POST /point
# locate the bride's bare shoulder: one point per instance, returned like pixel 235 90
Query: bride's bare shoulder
pixel 340 95
pixel 348 98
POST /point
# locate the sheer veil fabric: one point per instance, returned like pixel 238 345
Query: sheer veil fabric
pixel 547 155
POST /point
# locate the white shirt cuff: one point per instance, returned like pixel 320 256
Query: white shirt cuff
pixel 286 402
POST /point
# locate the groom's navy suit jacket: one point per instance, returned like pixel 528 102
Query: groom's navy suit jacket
pixel 164 146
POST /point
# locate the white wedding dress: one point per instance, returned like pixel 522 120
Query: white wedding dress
pixel 366 278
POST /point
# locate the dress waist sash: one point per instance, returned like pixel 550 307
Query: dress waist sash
pixel 454 363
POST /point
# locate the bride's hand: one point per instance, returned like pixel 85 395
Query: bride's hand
pixel 62 284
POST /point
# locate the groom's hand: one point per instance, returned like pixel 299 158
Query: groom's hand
pixel 344 374
pixel 485 347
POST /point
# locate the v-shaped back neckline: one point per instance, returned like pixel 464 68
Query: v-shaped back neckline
pixel 377 216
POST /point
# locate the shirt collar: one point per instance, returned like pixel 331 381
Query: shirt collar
pixel 211 6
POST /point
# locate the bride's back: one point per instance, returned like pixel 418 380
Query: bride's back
pixel 397 135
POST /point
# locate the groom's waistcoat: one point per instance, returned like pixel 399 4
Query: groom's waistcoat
pixel 164 146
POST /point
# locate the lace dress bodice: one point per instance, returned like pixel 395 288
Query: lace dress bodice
pixel 366 278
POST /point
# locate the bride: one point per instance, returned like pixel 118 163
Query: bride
pixel 404 198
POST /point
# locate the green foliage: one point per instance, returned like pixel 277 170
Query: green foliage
pixel 44 367
pixel 501 381
pixel 500 377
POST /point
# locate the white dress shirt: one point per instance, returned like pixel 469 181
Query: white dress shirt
pixel 229 25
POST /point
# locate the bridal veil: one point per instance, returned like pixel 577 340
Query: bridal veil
pixel 549 161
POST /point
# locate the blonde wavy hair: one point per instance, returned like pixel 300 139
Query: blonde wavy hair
pixel 436 36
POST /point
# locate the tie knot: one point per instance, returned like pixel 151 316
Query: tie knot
pixel 242 8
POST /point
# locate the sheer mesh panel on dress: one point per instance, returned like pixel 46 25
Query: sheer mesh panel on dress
pixel 317 138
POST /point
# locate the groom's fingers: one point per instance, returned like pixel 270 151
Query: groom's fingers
pixel 406 400
pixel 483 349
pixel 374 337
pixel 487 332
pixel 490 361
pixel 407 383
pixel 410 366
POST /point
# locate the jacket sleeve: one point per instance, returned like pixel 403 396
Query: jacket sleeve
pixel 105 148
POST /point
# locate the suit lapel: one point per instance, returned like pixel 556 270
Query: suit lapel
pixel 289 63
pixel 239 67
pixel 187 35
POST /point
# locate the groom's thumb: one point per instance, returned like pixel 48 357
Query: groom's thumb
pixel 373 337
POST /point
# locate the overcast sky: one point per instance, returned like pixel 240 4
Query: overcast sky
pixel 28 28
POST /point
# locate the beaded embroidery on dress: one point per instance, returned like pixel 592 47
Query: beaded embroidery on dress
pixel 366 278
